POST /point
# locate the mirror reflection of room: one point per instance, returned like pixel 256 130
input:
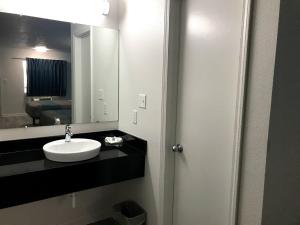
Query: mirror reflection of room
pixel 35 71
pixel 50 76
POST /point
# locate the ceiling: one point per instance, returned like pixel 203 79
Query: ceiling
pixel 23 31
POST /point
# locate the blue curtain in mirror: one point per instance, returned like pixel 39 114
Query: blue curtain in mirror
pixel 46 77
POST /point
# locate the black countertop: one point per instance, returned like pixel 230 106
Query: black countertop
pixel 26 175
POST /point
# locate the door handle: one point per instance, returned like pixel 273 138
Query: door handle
pixel 177 148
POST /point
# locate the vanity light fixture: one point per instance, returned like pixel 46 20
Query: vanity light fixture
pixel 105 7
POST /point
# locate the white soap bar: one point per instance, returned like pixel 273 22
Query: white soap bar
pixel 113 140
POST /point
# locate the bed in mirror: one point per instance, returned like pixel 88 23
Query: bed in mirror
pixel 54 72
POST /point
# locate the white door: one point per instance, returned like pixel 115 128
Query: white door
pixel 208 113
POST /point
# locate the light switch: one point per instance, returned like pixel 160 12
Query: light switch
pixel 134 116
pixel 100 94
pixel 142 101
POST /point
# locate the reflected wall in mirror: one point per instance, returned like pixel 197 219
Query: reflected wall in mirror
pixel 55 72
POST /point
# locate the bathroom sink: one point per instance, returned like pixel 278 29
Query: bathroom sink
pixel 77 149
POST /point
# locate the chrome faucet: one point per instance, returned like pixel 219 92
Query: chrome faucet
pixel 68 133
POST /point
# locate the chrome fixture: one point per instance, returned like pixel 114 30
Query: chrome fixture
pixel 177 148
pixel 68 133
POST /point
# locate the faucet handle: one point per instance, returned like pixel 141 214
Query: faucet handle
pixel 68 128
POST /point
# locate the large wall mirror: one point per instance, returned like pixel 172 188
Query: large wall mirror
pixel 54 72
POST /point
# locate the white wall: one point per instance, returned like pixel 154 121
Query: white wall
pixel 257 115
pixel 141 68
pixel 12 76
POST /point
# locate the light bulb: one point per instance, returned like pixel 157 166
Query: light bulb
pixel 41 48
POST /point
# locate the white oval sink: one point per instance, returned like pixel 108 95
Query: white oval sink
pixel 77 149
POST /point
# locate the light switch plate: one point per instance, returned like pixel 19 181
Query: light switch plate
pixel 142 101
pixel 134 116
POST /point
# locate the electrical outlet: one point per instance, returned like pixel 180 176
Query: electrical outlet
pixel 134 116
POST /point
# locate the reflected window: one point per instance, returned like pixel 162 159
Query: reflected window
pixel 25 75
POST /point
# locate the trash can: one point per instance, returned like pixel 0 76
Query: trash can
pixel 129 213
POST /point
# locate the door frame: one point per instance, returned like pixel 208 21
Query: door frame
pixel 169 109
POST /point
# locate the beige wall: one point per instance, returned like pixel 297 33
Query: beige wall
pixel 257 115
